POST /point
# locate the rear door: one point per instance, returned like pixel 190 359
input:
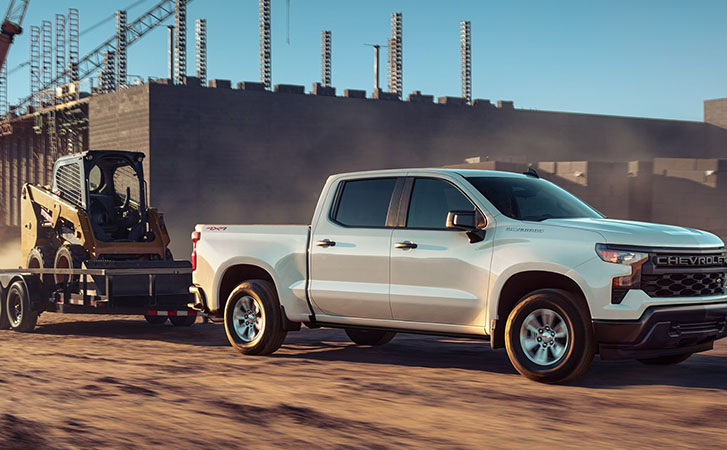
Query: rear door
pixel 350 249
pixel 437 275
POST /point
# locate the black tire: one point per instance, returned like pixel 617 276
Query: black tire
pixel 261 332
pixel 69 256
pixel 369 337
pixel 18 310
pixel 156 320
pixel 182 321
pixel 168 255
pixel 4 322
pixel 554 316
pixel 665 360
pixel 41 258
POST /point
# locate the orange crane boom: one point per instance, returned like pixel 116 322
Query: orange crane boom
pixel 11 26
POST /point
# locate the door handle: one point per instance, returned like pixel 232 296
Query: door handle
pixel 406 245
pixel 326 243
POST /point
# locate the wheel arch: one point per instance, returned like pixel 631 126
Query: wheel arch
pixel 523 283
pixel 237 273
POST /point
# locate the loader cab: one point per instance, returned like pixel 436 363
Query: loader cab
pixel 109 186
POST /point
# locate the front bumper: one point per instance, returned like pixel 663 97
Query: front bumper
pixel 662 331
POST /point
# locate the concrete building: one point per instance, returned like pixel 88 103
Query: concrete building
pixel 224 155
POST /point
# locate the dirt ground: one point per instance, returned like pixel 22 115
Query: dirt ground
pixel 117 382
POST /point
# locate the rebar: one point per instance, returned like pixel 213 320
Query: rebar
pixel 35 64
pixel 61 48
pixel 395 56
pixel 46 61
pixel 326 58
pixel 121 37
pixel 180 41
pixel 266 66
pixel 465 36
pixel 170 56
pixel 109 72
pixel 3 91
pixel 73 44
pixel 201 44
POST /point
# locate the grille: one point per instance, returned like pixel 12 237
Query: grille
pixel 683 284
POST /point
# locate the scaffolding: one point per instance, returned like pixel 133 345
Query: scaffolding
pixel 73 44
pixel 121 48
pixel 34 64
pixel 266 65
pixel 180 40
pixel 395 61
pixel 200 34
pixel 326 58
pixel 465 36
pixel 61 48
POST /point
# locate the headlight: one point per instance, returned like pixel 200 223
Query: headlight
pixel 626 257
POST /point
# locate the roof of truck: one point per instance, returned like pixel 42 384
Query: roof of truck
pixel 462 172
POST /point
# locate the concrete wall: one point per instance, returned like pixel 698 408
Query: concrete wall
pixel 231 156
pixel 715 112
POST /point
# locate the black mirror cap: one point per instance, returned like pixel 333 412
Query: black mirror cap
pixel 466 220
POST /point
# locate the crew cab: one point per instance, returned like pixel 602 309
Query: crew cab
pixel 505 257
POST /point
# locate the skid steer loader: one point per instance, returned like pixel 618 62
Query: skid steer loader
pixel 95 218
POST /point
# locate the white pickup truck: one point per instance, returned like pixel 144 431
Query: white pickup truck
pixel 504 257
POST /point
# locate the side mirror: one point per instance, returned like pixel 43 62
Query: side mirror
pixel 466 220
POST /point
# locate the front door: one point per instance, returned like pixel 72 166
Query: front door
pixel 350 250
pixel 437 275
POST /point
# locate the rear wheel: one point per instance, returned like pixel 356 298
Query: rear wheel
pixel 548 337
pixel 253 321
pixel 18 309
pixel 369 337
pixel 666 360
pixel 69 256
pixel 182 321
pixel 156 320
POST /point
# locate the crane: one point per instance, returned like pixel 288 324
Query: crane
pixel 11 26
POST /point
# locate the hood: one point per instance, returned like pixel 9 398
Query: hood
pixel 626 232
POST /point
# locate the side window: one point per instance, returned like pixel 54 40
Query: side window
pixel 430 202
pixel 365 203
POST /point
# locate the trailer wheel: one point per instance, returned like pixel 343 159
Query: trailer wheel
pixel 155 320
pixel 182 321
pixel 253 321
pixel 4 321
pixel 18 310
pixel 69 256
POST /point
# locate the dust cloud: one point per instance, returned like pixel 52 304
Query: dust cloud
pixel 10 253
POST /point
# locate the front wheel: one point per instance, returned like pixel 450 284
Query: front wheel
pixel 665 360
pixel 17 308
pixel 369 337
pixel 548 337
pixel 253 321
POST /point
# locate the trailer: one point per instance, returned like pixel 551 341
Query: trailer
pixel 157 293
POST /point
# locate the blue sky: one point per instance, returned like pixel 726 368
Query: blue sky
pixel 636 58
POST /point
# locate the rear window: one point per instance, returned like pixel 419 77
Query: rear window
pixel 364 203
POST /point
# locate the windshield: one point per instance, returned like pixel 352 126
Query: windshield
pixel 531 198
